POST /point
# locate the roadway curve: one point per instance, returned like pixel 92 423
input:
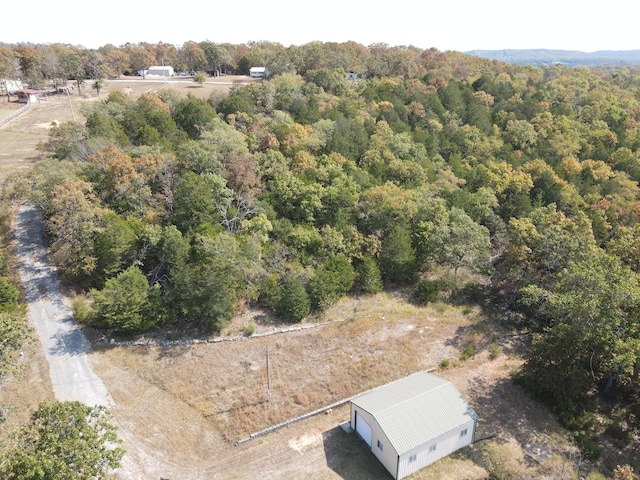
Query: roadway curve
pixel 65 346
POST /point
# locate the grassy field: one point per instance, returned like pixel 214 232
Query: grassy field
pixel 21 137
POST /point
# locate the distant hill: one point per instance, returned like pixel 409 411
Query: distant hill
pixel 543 57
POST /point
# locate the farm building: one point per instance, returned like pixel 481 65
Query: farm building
pixel 413 422
pixel 258 72
pixel 161 71
pixel 28 95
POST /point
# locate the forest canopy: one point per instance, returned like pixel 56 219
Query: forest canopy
pixel 443 174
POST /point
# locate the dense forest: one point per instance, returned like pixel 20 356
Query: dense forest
pixel 452 177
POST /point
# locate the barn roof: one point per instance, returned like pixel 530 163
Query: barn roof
pixel 416 409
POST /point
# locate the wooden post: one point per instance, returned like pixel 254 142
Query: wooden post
pixel 268 378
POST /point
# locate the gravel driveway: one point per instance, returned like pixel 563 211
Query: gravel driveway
pixel 65 346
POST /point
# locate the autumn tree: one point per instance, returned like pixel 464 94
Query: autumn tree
pixel 75 219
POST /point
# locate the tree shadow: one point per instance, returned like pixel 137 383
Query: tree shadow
pixel 506 412
pixel 173 351
pixel 350 457
pixel 69 341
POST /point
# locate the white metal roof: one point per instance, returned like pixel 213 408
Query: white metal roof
pixel 416 409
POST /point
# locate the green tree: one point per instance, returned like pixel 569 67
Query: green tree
pixel 331 281
pixel 115 246
pixel 593 337
pixel 127 303
pixel 205 293
pixel 65 139
pixel 72 67
pixel 455 240
pixel 99 84
pixel 200 78
pixel 369 277
pixel 193 114
pixel 64 440
pixel 398 256
pixel 294 304
pixel 198 199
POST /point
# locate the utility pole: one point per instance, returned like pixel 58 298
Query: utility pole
pixel 73 117
pixel 268 378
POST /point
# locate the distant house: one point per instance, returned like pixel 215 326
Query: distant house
pixel 9 87
pixel 258 72
pixel 28 95
pixel 161 71
pixel 412 422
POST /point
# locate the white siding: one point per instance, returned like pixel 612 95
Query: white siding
pixel 387 455
pixel 444 445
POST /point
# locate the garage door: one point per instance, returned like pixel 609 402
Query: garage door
pixel 363 429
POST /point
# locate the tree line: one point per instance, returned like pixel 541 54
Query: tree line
pixel 449 176
pixel 44 64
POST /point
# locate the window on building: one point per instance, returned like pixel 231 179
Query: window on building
pixel 380 445
pixel 432 448
pixel 413 458
pixel 463 433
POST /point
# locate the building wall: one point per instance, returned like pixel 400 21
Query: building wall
pixel 165 71
pixel 387 455
pixel 444 445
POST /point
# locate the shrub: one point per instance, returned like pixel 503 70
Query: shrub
pixel 468 352
pixel 250 329
pixel 589 445
pixel 80 309
pixel 9 294
pixel 494 351
pixel 426 292
pixel 444 363
pixel 370 279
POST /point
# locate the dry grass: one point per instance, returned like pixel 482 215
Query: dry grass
pixel 378 340
pixel 220 389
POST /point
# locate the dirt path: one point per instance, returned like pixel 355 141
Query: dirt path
pixel 65 346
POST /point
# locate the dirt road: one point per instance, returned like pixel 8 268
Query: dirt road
pixel 65 346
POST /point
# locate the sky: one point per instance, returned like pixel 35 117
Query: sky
pixel 461 25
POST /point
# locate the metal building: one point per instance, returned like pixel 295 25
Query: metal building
pixel 413 422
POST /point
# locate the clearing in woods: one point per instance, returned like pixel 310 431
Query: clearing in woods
pixel 180 408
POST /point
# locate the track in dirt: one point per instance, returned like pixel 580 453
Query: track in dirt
pixel 65 346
